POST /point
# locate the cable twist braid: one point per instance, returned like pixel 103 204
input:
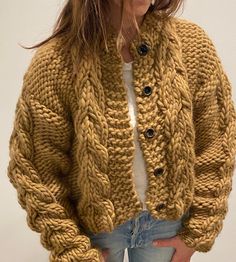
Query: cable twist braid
pixel 40 192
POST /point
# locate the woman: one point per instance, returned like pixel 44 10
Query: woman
pixel 124 134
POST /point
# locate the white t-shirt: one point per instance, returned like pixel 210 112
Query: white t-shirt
pixel 139 175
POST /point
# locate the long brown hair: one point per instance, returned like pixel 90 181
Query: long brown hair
pixel 82 24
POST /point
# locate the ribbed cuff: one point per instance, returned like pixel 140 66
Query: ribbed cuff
pixel 199 243
pixel 92 255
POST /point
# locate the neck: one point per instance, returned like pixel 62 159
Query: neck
pixel 129 30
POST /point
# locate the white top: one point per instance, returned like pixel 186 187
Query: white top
pixel 139 170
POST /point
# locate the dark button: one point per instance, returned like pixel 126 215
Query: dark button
pixel 160 206
pixel 149 132
pixel 143 49
pixel 147 90
pixel 158 171
pixel 216 193
pixel 178 70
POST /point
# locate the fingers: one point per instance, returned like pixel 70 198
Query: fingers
pixel 165 242
pixel 105 253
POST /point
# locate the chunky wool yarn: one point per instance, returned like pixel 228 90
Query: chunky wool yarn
pixel 72 145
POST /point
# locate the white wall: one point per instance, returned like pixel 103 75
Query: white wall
pixel 28 22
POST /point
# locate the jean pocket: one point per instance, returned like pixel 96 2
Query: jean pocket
pixel 165 228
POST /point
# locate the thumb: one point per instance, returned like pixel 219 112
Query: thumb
pixel 164 242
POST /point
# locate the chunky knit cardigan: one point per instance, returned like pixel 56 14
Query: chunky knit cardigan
pixel 72 145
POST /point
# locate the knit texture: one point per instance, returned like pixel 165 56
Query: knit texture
pixel 72 144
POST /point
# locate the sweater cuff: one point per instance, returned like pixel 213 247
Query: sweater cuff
pixel 74 255
pixel 201 241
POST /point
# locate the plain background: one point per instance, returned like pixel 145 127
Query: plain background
pixel 28 22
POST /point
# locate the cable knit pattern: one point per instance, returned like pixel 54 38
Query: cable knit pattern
pixel 39 152
pixel 91 151
pixel 72 145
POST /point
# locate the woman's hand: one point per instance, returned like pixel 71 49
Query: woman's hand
pixel 104 254
pixel 182 253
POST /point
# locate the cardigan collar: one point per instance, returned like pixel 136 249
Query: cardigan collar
pixel 158 38
pixel 150 29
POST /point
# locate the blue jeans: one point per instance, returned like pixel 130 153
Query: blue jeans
pixel 137 235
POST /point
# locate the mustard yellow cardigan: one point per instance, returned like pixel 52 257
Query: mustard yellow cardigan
pixel 72 144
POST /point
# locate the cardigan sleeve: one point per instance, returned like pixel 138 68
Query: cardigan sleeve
pixel 214 119
pixel 39 148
